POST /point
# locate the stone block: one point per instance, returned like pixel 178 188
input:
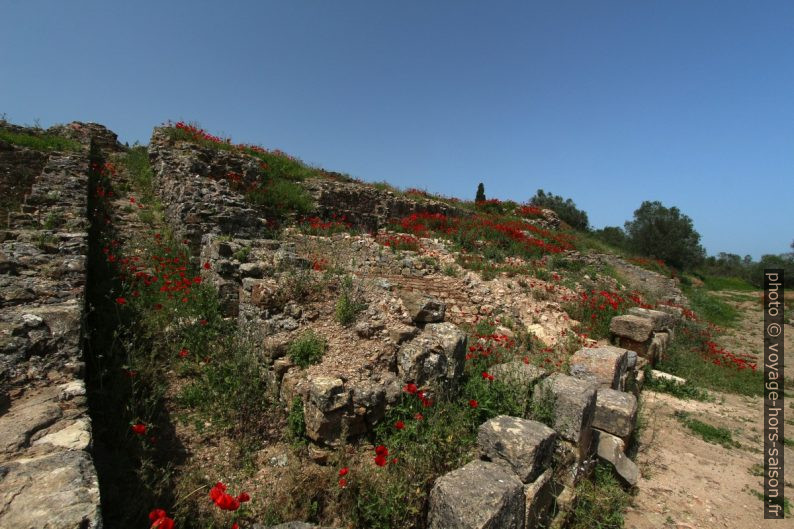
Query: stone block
pixel 480 495
pixel 635 328
pixel 616 412
pixel 539 500
pixel 604 365
pixel 525 446
pixel 661 320
pixel 610 449
pixel 574 408
pixel 437 355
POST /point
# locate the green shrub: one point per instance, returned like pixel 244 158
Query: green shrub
pixel 296 423
pixel 307 349
pixel 349 303
pixel 39 142
pixel 601 502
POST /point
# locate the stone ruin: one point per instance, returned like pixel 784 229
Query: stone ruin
pixel 409 334
pixel 46 470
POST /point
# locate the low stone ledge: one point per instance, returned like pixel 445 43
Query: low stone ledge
pixel 616 412
pixel 525 446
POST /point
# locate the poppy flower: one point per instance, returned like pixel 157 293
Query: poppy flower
pixel 243 497
pixel 342 483
pixel 207 266
pixel 380 461
pixel 399 425
pixel 225 501
pixel 410 388
pixel 163 523
pixel 343 471
pixel 138 428
pixel 156 514
pixel 183 352
pixel 473 403
pixel 419 416
pixel 121 301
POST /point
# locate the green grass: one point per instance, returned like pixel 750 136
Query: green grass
pixel 709 433
pixel 349 304
pixel 600 502
pixel 686 391
pixel 710 307
pixel 727 283
pixel 684 359
pixel 785 502
pixel 40 142
pixel 307 349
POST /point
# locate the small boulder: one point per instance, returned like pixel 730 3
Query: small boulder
pixel 525 446
pixel 635 328
pixel 480 495
pixel 574 403
pixel 610 449
pixel 604 365
pixel 437 355
pixel 423 309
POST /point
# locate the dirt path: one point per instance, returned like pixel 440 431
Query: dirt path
pixel 687 482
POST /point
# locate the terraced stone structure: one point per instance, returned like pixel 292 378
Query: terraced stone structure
pixel 47 476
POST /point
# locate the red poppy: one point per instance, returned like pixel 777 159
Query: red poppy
pixel 243 497
pixel 121 301
pixel 343 471
pixel 138 428
pixel 203 322
pixel 207 266
pixel 224 501
pixel 410 388
pixel 399 425
pixel 473 403
pixel 156 514
pixel 163 523
pixel 342 483
pixel 380 461
pixel 381 450
pixel 419 416
pixel 183 352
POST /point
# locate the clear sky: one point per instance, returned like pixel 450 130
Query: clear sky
pixel 610 103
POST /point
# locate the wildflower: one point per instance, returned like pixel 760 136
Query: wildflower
pixel 380 461
pixel 207 266
pixel 473 403
pixel 224 501
pixel 381 450
pixel 342 483
pixel 121 301
pixel 410 388
pixel 487 376
pixel 399 425
pixel 160 520
pixel 343 471
pixel 243 497
pixel 419 416
pixel 138 428
pixel 203 322
pixel 183 352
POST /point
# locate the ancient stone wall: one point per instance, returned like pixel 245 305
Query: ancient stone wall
pixel 47 476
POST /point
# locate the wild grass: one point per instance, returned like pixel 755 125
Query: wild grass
pixel 707 432
pixel 39 142
pixel 601 502
pixel 711 307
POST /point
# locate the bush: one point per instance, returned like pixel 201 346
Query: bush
pixel 308 349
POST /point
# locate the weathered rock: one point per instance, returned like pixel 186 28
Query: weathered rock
pixel 667 376
pixel 290 525
pixel 402 333
pixel 610 448
pixel 75 436
pixel 325 408
pixel 264 293
pixel 423 309
pixel 634 328
pixel 518 373
pixel 574 408
pixel 604 365
pixel 616 412
pixel 661 320
pixel 525 446
pixel 676 312
pixel 21 422
pixel 437 355
pixel 539 500
pixel 54 491
pixel 480 495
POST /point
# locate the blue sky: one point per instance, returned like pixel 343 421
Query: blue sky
pixel 609 103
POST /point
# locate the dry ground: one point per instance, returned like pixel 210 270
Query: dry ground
pixel 689 483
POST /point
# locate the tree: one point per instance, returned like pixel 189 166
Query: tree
pixel 480 197
pixel 613 235
pixel 565 208
pixel 664 233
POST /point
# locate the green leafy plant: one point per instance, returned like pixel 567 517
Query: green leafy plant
pixel 349 304
pixel 307 349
